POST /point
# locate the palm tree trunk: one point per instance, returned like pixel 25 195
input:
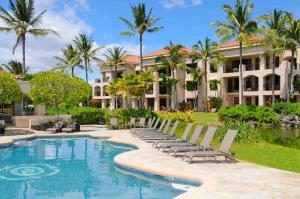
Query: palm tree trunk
pixel 141 51
pixel 198 97
pixel 241 86
pixel 273 80
pixel 173 95
pixel 23 51
pixel 206 87
pixel 290 77
pixel 72 71
pixel 86 71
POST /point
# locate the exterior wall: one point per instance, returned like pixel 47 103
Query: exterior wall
pixel 255 94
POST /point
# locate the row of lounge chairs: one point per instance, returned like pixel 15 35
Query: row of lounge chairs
pixel 58 127
pixel 163 138
pixel 114 123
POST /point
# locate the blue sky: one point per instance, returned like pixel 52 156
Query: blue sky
pixel 185 21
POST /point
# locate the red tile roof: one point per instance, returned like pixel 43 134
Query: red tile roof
pixel 132 59
pixel 236 43
pixel 165 52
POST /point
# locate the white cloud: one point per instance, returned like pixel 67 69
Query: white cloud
pixel 40 51
pixel 169 4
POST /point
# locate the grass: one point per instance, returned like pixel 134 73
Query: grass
pixel 270 155
pixel 264 153
pixel 205 118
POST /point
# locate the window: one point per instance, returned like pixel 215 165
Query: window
pixel 257 63
pixel 277 61
pixel 268 62
pixel 191 66
pixel 191 86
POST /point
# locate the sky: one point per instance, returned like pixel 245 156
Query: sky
pixel 185 22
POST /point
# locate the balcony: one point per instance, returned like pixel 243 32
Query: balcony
pixel 251 67
pixel 268 83
pixel 251 83
pixel 231 69
pixel 97 80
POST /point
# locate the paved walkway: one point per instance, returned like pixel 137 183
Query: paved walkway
pixel 220 180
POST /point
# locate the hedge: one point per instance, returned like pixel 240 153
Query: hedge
pixel 180 116
pixel 89 115
pixel 245 113
pixel 286 108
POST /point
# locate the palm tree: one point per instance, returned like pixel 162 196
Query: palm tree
pixel 214 85
pixel 273 33
pixel 15 67
pixel 239 26
pixel 175 59
pixel 22 21
pixel 197 75
pixel 70 59
pixel 143 21
pixel 114 58
pixel 292 35
pixel 87 52
pixel 205 52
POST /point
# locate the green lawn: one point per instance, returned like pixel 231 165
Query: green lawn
pixel 270 155
pixel 264 153
pixel 205 118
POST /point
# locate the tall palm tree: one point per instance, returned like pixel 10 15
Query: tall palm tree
pixel 273 37
pixel 292 35
pixel 197 75
pixel 175 59
pixel 240 26
pixel 143 21
pixel 206 52
pixel 87 53
pixel 15 67
pixel 114 58
pixel 69 60
pixel 21 19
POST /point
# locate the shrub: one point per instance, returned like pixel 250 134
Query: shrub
pixel 186 106
pixel 95 103
pixel 245 113
pixel 180 116
pixel 286 108
pixel 215 102
pixel 89 115
pixel 245 134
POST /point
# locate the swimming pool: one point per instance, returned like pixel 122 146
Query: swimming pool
pixel 75 168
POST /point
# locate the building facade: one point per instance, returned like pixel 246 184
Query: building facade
pixel 257 78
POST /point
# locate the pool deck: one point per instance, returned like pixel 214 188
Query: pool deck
pixel 222 180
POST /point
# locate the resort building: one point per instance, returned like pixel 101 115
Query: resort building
pixel 257 78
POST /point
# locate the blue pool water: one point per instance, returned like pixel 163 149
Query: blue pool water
pixel 75 168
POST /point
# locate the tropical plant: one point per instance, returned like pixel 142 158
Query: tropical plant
pixel 175 60
pixel 56 88
pixel 197 75
pixel 70 59
pixel 143 22
pixel 10 90
pixel 240 26
pixel 214 85
pixel 273 37
pixel 292 36
pixel 21 19
pixel 114 57
pixel 15 67
pixel 206 52
pixel 146 80
pixel 87 53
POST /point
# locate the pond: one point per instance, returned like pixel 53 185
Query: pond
pixel 287 137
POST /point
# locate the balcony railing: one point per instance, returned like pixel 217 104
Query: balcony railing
pixel 231 69
pixel 268 87
pixel 251 67
pixel 251 88
pixel 232 90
